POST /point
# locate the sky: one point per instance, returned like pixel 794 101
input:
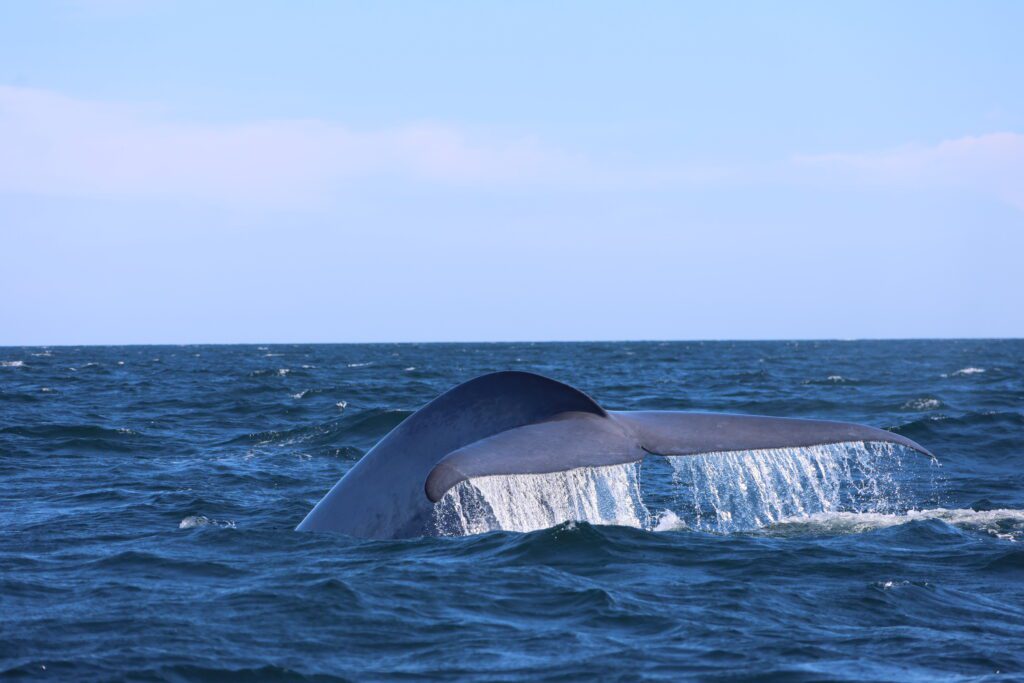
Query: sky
pixel 195 172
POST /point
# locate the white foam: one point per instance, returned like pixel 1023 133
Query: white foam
pixel 669 521
pixel 341 405
pixel 527 502
pixel 193 521
pixel 11 363
pixel 1006 524
pixel 359 365
pixel 968 371
pixel 283 371
pixel 923 404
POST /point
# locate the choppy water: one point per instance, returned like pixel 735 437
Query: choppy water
pixel 150 494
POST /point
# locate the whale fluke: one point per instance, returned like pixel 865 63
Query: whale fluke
pixel 509 423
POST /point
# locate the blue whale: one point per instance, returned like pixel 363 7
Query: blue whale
pixel 508 423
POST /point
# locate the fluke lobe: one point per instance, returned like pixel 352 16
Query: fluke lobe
pixel 508 423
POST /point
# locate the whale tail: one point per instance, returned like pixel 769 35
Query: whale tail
pixel 510 423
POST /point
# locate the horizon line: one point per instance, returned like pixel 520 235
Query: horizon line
pixel 521 341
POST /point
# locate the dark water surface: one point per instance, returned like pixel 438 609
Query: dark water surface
pixel 149 497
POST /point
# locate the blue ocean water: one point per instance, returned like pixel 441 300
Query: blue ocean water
pixel 150 494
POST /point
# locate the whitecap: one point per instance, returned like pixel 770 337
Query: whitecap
pixel 283 371
pixel 341 405
pixel 194 521
pixel 359 365
pixel 922 404
pixel 410 368
pixel 669 521
pixel 968 371
pixel 11 363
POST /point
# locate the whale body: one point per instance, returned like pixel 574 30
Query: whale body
pixel 509 423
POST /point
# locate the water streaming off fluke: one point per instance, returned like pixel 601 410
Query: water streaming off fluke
pixel 748 490
pixel 719 492
pixel 527 502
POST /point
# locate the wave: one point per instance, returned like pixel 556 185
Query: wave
pixel 365 425
pixel 1004 523
pixel 11 363
pixel 937 427
pixel 82 437
pixel 65 431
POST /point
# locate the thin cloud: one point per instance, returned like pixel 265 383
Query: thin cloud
pixel 988 165
pixel 54 144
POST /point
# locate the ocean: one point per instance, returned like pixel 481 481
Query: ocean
pixel 150 495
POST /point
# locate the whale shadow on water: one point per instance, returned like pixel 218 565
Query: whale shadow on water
pixel 518 451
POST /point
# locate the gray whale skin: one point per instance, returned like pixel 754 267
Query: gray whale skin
pixel 523 423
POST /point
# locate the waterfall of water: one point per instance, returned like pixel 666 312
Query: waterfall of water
pixel 750 489
pixel 719 492
pixel 525 502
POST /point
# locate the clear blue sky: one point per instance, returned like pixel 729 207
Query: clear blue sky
pixel 175 172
